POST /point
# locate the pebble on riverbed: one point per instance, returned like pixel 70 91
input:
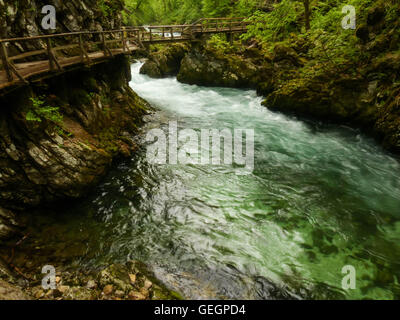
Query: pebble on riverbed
pixel 117 282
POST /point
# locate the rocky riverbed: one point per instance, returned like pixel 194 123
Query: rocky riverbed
pixel 130 281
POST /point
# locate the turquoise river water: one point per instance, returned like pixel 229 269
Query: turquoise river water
pixel 320 197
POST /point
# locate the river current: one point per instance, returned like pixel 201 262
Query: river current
pixel 320 200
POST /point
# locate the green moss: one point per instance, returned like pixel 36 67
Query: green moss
pixel 108 139
pixel 90 84
pixel 80 97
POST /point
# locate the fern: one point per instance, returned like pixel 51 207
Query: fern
pixel 40 111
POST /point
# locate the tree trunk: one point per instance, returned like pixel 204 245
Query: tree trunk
pixel 307 13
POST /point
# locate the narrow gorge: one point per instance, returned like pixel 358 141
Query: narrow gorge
pixel 78 191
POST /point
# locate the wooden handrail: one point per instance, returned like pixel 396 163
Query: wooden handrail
pixel 58 35
pixel 126 29
pixel 119 41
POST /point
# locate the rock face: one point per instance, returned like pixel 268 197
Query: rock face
pixel 165 62
pixel 23 18
pixel 58 138
pixel 8 224
pixel 82 120
pixel 204 67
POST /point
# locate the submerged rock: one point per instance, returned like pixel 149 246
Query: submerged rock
pixel 108 289
pixel 5 272
pixel 111 283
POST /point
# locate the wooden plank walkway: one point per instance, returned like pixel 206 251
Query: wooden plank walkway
pixel 95 47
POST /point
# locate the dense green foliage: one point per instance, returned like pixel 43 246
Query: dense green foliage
pixel 186 11
pixel 329 46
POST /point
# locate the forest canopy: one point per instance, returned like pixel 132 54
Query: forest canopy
pixel 186 11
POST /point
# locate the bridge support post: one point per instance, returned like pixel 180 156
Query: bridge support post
pixel 107 51
pixel 230 37
pixel 8 66
pixel 5 61
pixel 146 47
pixel 124 45
pixel 84 55
pixel 53 63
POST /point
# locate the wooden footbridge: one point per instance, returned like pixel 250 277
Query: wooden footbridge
pixel 29 59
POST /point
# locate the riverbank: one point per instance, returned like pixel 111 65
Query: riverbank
pixel 59 136
pixel 59 139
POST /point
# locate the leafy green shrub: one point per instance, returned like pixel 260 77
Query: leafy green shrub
pixel 276 25
pixel 110 7
pixel 219 45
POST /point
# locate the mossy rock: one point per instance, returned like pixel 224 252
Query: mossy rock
pixel 80 97
pixel 90 84
pixel 165 61
pixel 151 69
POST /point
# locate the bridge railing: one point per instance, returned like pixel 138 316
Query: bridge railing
pixel 58 48
pixel 64 45
pixel 220 24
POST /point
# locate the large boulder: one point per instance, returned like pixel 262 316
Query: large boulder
pixel 165 62
pixel 340 100
pixel 208 68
